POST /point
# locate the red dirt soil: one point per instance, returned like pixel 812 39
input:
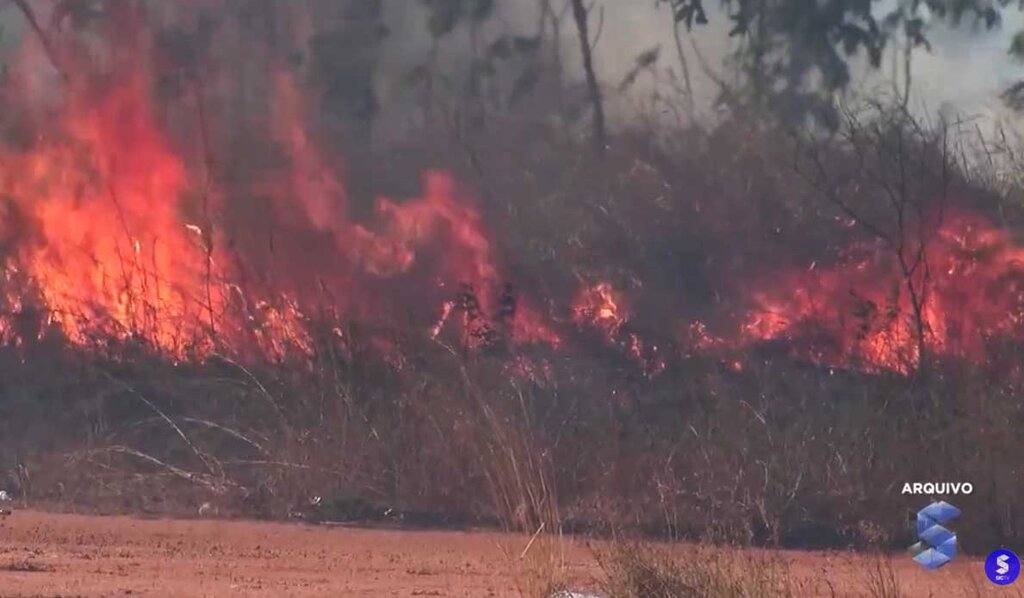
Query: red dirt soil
pixel 47 554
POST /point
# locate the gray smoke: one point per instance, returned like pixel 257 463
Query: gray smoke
pixel 964 72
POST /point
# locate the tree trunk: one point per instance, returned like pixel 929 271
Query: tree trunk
pixel 600 137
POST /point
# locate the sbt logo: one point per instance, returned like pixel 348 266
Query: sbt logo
pixel 1002 567
pixel 937 545
pixel 937 488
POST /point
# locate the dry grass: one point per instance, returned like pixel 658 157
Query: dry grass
pixel 881 580
pixel 538 564
pixel 636 570
pixel 522 485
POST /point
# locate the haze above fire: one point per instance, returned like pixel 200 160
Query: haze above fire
pixel 630 27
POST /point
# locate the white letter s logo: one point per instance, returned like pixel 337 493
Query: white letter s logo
pixel 1002 568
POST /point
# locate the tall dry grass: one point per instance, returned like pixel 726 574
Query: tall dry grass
pixel 635 570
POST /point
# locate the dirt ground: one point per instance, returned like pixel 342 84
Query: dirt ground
pixel 48 554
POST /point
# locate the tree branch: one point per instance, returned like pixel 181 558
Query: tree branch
pixel 600 136
pixel 51 54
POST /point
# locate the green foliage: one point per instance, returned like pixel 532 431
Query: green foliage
pixel 787 43
pixel 794 54
pixel 687 12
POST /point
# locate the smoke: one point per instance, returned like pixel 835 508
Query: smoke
pixel 623 30
pixel 978 58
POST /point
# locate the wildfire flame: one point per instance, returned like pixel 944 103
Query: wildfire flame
pixel 99 193
pixel 602 307
pixel 968 289
pixel 111 227
pixel 119 235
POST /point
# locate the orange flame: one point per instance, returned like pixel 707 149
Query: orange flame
pixel 968 287
pixel 110 252
pixel 602 307
pixel 120 240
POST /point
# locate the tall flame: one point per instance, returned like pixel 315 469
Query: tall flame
pixel 120 236
pixel 110 252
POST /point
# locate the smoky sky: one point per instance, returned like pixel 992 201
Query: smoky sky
pixel 964 71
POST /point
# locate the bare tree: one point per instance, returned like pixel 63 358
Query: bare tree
pixel 580 13
pixel 44 37
pixel 896 189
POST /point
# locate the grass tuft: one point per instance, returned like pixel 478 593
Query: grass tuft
pixel 635 570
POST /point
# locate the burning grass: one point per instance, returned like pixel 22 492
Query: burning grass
pixel 178 331
pixel 859 310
